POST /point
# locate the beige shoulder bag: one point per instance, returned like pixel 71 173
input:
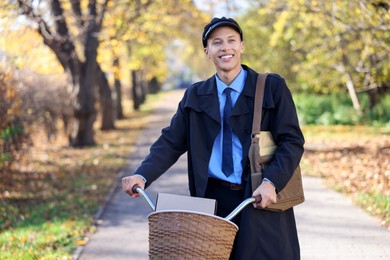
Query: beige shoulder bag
pixel 261 152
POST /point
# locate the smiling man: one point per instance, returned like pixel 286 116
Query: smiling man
pixel 213 124
pixel 224 45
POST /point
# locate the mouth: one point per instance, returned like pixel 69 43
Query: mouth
pixel 226 56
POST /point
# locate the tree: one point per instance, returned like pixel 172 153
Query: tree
pixel 81 66
pixel 330 46
pixel 139 32
pixel 116 29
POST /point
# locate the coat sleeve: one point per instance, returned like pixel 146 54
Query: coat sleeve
pixel 167 149
pixel 281 119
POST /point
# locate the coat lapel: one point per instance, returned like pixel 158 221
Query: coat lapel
pixel 244 102
pixel 209 99
pixel 243 109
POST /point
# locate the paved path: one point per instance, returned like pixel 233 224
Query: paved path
pixel 329 225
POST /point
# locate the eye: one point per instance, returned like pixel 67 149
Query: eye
pixel 216 42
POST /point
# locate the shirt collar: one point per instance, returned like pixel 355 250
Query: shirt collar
pixel 237 84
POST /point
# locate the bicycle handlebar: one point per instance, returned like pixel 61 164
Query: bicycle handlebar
pixel 256 199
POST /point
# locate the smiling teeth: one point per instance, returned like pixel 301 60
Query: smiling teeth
pixel 227 56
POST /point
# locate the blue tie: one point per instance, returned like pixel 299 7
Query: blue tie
pixel 227 149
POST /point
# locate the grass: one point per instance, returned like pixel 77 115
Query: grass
pixel 49 200
pixel 47 240
pixel 376 204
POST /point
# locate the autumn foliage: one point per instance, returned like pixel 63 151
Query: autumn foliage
pixel 12 130
pixel 30 103
pixel 354 160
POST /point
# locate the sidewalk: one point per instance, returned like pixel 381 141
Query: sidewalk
pixel 329 225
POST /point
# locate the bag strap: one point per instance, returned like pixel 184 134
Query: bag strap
pixel 258 107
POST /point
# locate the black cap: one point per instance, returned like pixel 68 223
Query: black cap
pixel 217 22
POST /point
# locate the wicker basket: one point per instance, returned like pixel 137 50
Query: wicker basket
pixel 189 235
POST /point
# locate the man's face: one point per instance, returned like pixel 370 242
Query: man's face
pixel 224 48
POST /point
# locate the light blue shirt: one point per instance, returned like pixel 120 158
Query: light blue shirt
pixel 215 164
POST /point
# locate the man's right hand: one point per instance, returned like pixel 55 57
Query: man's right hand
pixel 131 181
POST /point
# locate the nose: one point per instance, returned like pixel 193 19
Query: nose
pixel 225 46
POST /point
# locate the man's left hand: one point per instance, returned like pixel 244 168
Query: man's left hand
pixel 268 194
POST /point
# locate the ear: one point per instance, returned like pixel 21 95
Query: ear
pixel 242 47
pixel 206 51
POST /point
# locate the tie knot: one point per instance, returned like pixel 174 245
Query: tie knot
pixel 227 91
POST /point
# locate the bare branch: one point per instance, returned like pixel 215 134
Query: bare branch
pixel 99 20
pixel 43 27
pixel 77 12
pixel 58 41
pixel 59 18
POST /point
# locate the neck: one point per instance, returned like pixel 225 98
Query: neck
pixel 228 77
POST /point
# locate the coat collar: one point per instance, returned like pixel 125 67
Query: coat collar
pixel 242 105
pixel 207 100
pixel 209 85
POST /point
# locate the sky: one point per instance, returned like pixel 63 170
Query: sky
pixel 228 8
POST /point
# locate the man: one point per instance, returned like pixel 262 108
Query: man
pixel 198 128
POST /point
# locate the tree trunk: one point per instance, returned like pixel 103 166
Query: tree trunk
pixel 84 135
pixel 85 113
pixel 136 90
pixel 85 110
pixel 349 81
pixel 154 86
pixel 373 98
pixel 118 89
pixel 119 107
pixel 143 85
pixel 352 93
pixel 106 105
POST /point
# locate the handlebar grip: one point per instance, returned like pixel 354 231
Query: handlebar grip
pixel 258 199
pixel 136 188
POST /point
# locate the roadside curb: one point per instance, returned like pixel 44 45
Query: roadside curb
pixel 102 209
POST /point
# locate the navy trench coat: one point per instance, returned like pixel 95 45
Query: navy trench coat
pixel 193 129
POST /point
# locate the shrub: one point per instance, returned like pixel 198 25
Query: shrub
pixel 381 111
pixel 12 131
pixel 47 100
pixel 29 101
pixel 338 110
